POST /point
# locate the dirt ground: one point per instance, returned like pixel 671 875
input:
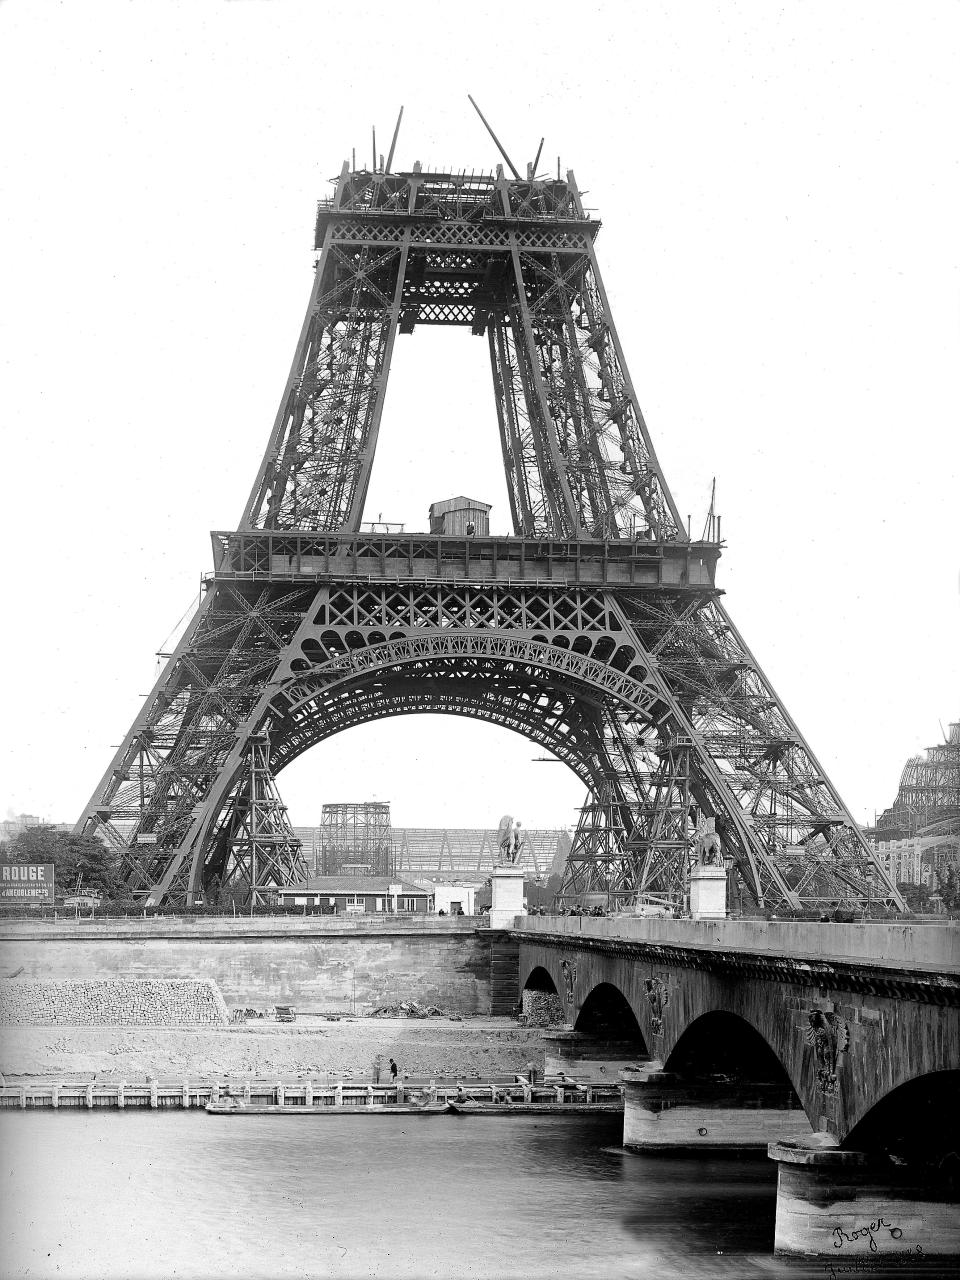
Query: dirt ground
pixel 475 1047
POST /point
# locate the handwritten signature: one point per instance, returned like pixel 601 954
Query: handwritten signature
pixel 858 1264
pixel 841 1237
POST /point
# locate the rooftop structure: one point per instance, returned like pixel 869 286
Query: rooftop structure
pixel 462 850
pixel 445 851
pixel 461 516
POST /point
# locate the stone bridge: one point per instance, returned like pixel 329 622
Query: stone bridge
pixel 835 1045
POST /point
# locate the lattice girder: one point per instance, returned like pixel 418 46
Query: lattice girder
pixel 478 255
pixel 346 647
pixel 503 652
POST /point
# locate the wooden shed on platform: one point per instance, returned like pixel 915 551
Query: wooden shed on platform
pixel 460 517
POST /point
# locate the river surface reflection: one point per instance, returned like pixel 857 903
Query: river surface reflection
pixel 141 1194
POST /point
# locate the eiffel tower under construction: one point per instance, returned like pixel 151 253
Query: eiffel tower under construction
pixel 596 629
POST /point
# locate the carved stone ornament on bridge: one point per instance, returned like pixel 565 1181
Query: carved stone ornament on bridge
pixel 569 972
pixel 658 998
pixel 829 1035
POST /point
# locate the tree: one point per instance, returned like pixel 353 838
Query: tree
pixel 74 857
pixel 948 882
pixel 916 896
pixel 36 844
pixel 225 897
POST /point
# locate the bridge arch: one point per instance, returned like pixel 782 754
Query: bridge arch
pixel 916 1123
pixel 540 979
pixel 606 1013
pixel 721 1043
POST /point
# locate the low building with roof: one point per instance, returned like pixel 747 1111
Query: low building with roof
pixel 454 898
pixel 358 895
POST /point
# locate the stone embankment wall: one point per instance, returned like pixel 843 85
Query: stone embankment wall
pixel 112 1002
pixel 315 964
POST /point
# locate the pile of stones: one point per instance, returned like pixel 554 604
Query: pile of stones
pixel 541 1009
pixel 112 1002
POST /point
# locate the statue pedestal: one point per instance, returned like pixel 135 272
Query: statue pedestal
pixel 507 902
pixel 708 893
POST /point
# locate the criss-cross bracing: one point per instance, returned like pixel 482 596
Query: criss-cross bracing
pixel 596 630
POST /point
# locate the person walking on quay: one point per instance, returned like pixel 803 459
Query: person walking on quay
pixel 393 1071
pixel 377 1068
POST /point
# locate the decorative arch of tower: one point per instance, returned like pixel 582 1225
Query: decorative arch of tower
pixel 596 629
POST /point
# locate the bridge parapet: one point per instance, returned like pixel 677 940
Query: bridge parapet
pixel 922 949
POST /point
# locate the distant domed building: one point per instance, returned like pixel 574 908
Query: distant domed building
pixel 919 835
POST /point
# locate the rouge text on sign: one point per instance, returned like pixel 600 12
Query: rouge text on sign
pixel 29 882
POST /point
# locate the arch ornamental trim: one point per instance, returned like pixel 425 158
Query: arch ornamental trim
pixel 376 659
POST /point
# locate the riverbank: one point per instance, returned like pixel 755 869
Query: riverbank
pixel 473 1048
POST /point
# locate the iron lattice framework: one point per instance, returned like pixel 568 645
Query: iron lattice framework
pixel 262 850
pixel 929 792
pixel 475 851
pixel 596 630
pixel 355 839
pixel 927 807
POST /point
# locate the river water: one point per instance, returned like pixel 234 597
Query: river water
pixel 183 1194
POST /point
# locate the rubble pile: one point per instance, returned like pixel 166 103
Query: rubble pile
pixel 408 1009
pixel 541 1009
pixel 113 1002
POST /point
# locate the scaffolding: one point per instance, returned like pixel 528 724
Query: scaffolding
pixel 265 851
pixel 927 808
pixel 354 839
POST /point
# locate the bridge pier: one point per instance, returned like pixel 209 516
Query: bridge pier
pixel 668 1112
pixel 847 1204
pixel 576 1054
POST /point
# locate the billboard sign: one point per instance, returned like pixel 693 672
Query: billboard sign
pixel 27 883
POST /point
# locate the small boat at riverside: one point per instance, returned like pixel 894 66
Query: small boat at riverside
pixel 237 1107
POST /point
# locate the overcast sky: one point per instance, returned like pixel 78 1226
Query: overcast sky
pixel 780 191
